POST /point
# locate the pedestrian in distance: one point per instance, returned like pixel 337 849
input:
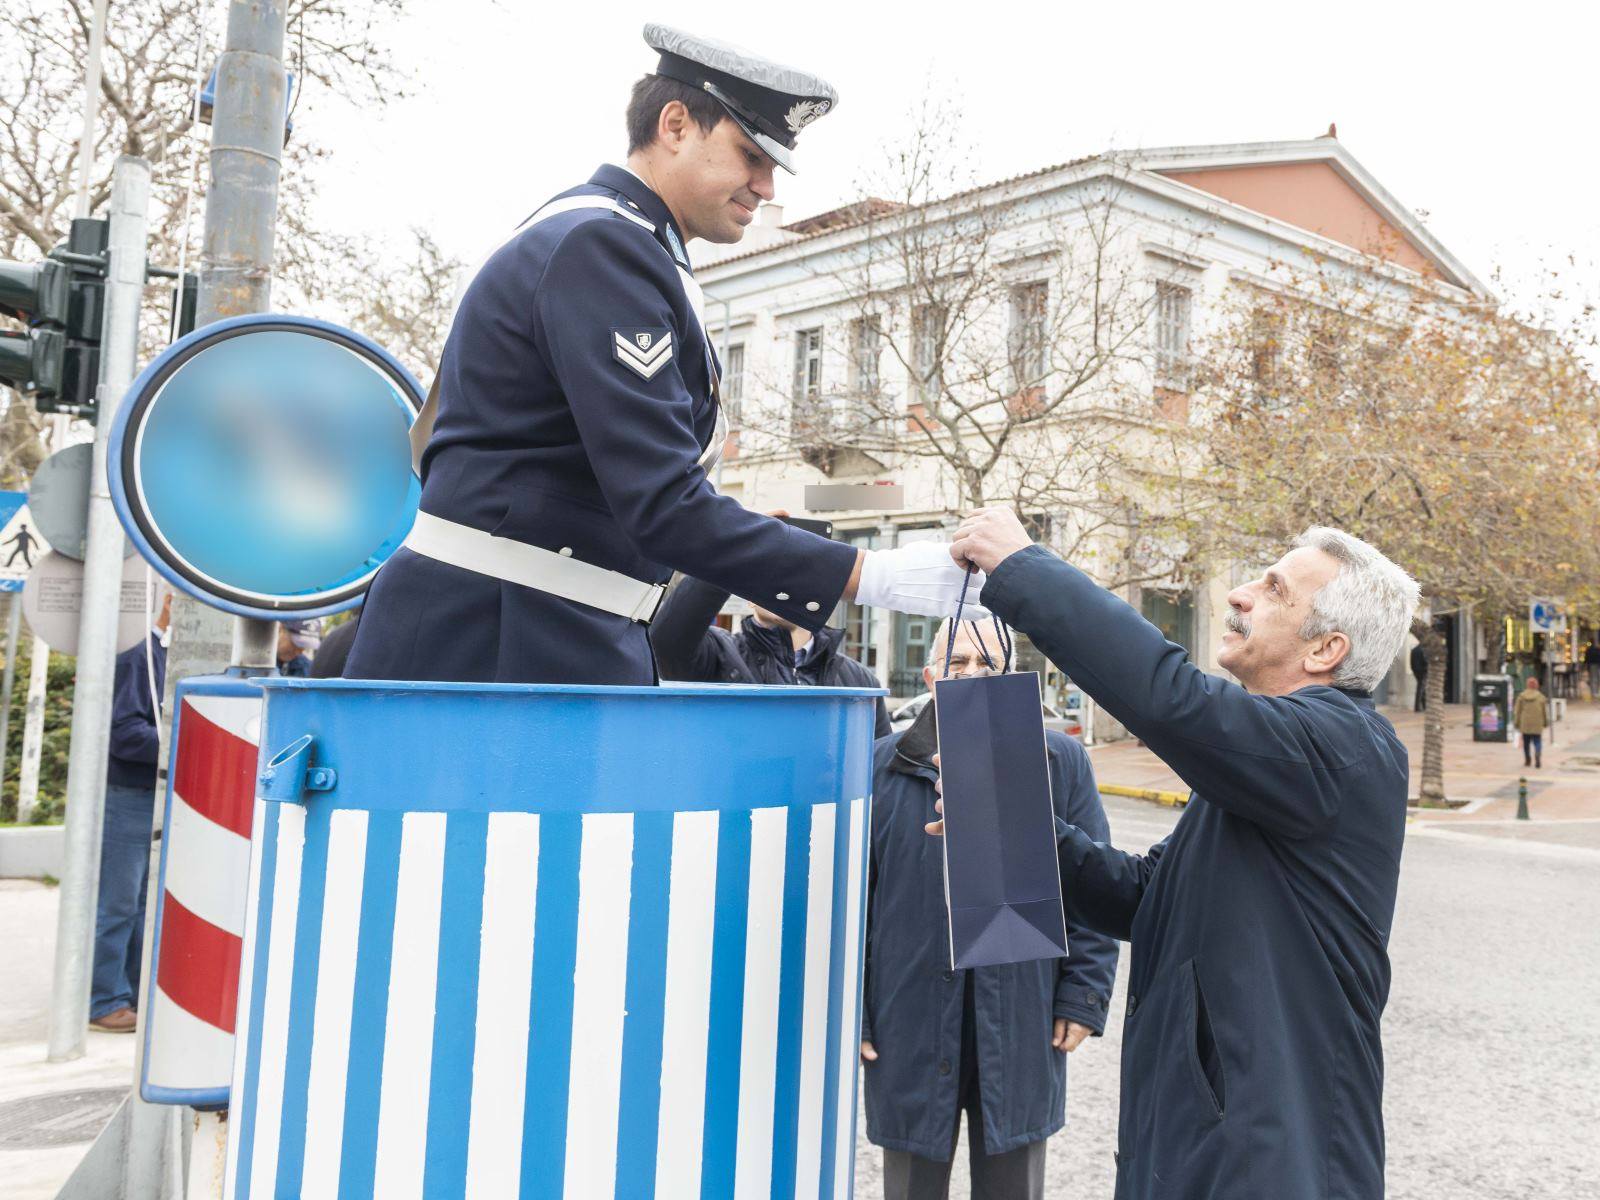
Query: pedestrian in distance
pixel 1591 663
pixel 1252 1057
pixel 1531 715
pixel 991 1042
pixel 1419 668
pixel 125 831
pixel 298 641
pixel 575 424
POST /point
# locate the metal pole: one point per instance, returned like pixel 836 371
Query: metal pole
pixel 97 638
pixel 91 106
pixel 33 732
pixel 241 218
pixel 13 638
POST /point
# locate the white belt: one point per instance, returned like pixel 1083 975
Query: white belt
pixel 533 567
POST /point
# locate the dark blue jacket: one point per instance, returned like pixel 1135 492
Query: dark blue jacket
pixel 131 755
pixel 546 436
pixel 1252 1066
pixel 914 1001
pixel 690 648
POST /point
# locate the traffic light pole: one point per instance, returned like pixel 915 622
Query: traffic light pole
pixel 97 649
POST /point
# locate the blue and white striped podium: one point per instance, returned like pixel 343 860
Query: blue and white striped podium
pixel 552 941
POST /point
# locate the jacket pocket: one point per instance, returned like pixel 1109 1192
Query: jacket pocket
pixel 1200 1045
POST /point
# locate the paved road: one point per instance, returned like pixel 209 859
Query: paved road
pixel 1492 1033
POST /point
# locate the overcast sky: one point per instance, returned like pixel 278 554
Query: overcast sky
pixel 1487 122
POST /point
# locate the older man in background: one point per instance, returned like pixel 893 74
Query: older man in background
pixel 1252 1062
pixel 991 1041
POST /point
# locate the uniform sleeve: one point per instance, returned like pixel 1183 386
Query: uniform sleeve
pixel 681 633
pixel 1279 761
pixel 1085 976
pixel 607 277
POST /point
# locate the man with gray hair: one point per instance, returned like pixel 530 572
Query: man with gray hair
pixel 1252 1063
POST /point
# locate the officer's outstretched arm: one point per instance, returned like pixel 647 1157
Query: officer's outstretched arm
pixel 609 292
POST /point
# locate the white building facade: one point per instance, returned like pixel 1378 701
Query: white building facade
pixel 810 317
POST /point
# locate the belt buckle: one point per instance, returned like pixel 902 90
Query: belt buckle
pixel 654 604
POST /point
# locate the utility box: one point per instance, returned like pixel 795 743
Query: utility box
pixel 1491 708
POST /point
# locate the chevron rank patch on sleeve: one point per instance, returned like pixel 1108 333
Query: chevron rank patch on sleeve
pixel 642 351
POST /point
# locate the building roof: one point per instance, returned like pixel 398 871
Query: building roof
pixel 1315 185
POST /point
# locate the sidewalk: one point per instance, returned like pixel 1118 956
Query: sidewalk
pixel 49 1112
pixel 1563 796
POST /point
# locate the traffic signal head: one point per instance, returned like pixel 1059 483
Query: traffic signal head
pixel 38 294
pixel 56 360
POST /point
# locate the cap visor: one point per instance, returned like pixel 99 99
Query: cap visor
pixel 777 152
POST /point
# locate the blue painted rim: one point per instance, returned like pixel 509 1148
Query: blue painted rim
pixel 768 691
pixel 123 438
pixel 152 1093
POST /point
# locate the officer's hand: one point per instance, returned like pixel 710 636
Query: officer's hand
pixel 937 827
pixel 1069 1035
pixel 988 537
pixel 868 1053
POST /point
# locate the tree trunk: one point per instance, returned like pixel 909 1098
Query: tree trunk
pixel 1431 789
pixel 1494 640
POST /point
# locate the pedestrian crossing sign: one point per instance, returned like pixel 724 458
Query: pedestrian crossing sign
pixel 20 543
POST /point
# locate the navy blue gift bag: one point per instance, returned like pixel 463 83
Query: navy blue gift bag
pixel 1002 880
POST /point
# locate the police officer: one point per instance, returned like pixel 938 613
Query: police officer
pixel 567 446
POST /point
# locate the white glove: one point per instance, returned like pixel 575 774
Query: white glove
pixel 920 578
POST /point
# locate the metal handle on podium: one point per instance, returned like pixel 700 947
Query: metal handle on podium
pixel 289 775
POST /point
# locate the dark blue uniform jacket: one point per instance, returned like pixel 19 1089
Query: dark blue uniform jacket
pixel 913 1009
pixel 134 746
pixel 544 436
pixel 1252 1066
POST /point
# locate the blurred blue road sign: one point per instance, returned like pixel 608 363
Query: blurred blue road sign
pixel 1546 616
pixel 263 464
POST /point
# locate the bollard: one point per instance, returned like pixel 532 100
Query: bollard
pixel 1522 798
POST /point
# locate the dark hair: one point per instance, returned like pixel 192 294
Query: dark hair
pixel 653 93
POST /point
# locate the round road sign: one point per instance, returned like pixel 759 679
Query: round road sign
pixel 263 464
pixel 52 600
pixel 58 498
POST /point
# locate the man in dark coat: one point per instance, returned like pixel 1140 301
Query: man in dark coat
pixel 125 831
pixel 767 649
pixel 1419 668
pixel 1252 1062
pixel 991 1041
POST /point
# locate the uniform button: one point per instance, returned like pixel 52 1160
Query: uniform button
pixel 949 975
pixel 944 1066
pixel 812 606
pixel 783 595
pixel 566 551
pixel 1133 1003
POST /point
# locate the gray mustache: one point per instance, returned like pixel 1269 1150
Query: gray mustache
pixel 1237 624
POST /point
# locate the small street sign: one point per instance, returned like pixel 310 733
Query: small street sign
pixel 1546 615
pixel 20 543
pixel 52 602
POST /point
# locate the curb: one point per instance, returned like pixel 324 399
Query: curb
pixel 1168 799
